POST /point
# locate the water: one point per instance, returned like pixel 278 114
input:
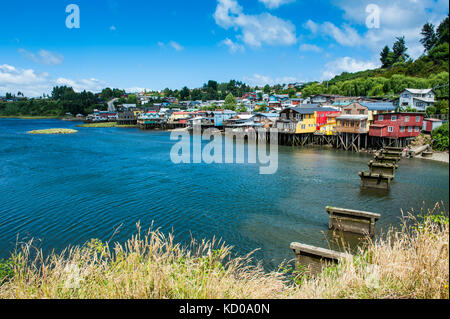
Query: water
pixel 66 189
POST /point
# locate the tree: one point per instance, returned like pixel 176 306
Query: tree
pixel 429 38
pixel 399 48
pixel 230 102
pixel 384 57
pixel 184 94
pixel 266 89
pixel 442 32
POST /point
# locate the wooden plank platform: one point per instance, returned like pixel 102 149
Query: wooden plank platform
pixel 314 259
pixel 353 221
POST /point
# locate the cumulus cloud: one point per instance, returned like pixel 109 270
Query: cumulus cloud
pixel 233 47
pixel 261 80
pixel 255 30
pixel 43 57
pixel 34 84
pixel 345 64
pixel 273 4
pixel 397 18
pixel 92 84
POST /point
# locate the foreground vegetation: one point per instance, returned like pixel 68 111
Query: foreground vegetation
pixel 54 131
pixel 410 262
pixel 441 136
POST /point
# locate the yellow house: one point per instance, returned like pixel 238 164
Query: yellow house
pixel 307 125
pixel 177 116
pixel 137 113
pixel 330 127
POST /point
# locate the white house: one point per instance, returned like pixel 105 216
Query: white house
pixel 419 99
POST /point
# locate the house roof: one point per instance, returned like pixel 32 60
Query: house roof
pixel 433 120
pixel 310 110
pixel 352 117
pixel 419 91
pixel 378 106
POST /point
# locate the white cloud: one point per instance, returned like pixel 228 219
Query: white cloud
pixel 256 30
pixel 346 35
pixel 397 18
pixel 92 84
pixel 25 80
pixel 273 4
pixel 233 47
pixel 345 64
pixel 310 47
pixel 43 57
pixel 176 46
pixel 112 28
pixel 261 80
pixel 34 84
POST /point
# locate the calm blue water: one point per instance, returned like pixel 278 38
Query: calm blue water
pixel 67 189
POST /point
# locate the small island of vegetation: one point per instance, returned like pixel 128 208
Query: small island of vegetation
pixel 54 131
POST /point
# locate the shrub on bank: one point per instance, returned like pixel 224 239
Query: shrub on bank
pixel 410 262
pixel 440 137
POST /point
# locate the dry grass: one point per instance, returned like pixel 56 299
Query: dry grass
pixel 412 262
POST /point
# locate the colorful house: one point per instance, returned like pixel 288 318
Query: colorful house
pixel 397 125
pixel 304 119
pixel 430 124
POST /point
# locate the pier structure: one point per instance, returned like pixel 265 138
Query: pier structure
pixel 313 259
pixel 353 221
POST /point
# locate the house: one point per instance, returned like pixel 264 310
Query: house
pixel 397 124
pixel 352 123
pixel 304 119
pixel 430 124
pixel 149 117
pixel 374 108
pixel 418 99
pixel 329 128
pixel 221 116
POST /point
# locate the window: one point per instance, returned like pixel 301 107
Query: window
pixel 402 129
pixel 406 118
pixel 417 119
pixel 416 129
pixel 380 118
pixel 394 118
pixel 410 129
pixel 361 112
pixel 390 129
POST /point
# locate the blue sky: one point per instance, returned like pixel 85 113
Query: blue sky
pixel 138 44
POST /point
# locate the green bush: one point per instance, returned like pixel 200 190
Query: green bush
pixel 440 137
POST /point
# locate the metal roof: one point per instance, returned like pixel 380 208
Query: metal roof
pixel 378 106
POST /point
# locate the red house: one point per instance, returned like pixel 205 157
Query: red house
pixel 322 116
pixel 397 125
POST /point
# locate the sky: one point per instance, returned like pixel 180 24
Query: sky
pixel 137 44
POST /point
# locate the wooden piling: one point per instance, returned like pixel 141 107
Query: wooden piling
pixel 353 221
pixel 314 259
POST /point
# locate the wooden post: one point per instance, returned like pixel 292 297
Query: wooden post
pixel 353 221
pixel 314 259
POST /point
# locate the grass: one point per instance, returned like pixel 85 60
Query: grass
pixel 105 124
pixel 409 262
pixel 54 131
